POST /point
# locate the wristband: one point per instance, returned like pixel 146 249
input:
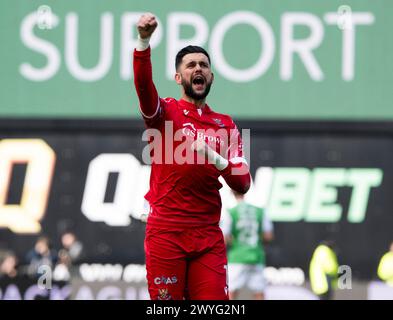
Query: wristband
pixel 142 44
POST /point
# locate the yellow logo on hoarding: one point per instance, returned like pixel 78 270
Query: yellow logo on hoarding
pixel 25 217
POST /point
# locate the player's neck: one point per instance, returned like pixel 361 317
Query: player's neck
pixel 200 104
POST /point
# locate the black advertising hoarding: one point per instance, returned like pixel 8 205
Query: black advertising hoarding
pixel 74 151
pixel 317 180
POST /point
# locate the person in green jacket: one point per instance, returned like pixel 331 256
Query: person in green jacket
pixel 246 228
pixel 324 270
pixel 385 268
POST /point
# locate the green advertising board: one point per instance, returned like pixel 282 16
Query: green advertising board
pixel 276 59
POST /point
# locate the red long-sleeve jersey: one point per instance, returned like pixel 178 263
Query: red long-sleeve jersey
pixel 183 192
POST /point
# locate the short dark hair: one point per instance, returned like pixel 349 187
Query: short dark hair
pixel 46 239
pixel 187 50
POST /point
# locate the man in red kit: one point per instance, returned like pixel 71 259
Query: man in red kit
pixel 184 246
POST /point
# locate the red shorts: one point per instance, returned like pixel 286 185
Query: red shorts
pixel 186 263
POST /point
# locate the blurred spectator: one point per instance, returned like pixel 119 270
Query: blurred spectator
pixel 72 246
pixel 41 254
pixel 9 266
pixel 246 228
pixel 70 254
pixel 385 268
pixel 62 270
pixel 324 270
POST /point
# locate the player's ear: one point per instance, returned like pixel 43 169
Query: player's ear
pixel 178 77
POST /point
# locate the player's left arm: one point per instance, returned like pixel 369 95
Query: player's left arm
pixel 237 176
pixel 234 169
pixel 237 173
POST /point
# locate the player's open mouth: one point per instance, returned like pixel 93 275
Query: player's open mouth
pixel 198 82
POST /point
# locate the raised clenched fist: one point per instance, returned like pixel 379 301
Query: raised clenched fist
pixel 146 25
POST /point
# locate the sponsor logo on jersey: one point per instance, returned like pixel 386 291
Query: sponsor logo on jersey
pixel 165 280
pixel 189 124
pixel 189 130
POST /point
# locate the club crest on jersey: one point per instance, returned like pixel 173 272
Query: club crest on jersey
pixel 219 122
pixel 163 294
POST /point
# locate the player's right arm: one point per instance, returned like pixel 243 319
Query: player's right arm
pixel 149 101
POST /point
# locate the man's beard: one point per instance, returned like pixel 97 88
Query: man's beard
pixel 189 91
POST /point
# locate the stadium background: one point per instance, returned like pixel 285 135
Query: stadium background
pixel 320 121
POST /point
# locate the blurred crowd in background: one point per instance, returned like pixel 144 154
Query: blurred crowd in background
pixel 60 261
